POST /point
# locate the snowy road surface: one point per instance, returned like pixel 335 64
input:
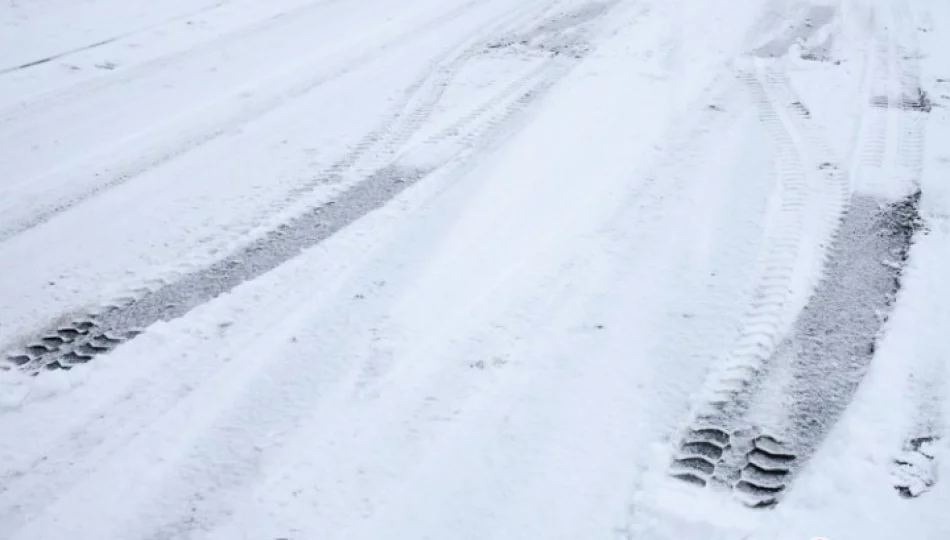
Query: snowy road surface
pixel 474 269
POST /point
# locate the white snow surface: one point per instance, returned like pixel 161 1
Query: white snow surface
pixel 508 348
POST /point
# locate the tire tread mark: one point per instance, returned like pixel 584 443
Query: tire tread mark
pixel 813 196
pixel 465 136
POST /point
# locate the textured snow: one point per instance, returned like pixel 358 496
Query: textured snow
pixel 508 345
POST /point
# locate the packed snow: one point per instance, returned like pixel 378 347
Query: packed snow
pixel 474 269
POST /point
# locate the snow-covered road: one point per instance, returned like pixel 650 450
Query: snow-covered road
pixel 474 269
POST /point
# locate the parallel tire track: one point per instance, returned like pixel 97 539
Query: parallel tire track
pixel 833 338
pixel 373 182
pixel 708 441
pixel 62 469
pixel 720 445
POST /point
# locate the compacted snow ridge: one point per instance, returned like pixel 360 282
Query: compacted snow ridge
pixel 474 269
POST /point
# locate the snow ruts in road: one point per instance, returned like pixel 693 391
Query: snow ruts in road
pixel 821 362
pixel 812 194
pixel 372 173
pixel 777 397
pixel 833 341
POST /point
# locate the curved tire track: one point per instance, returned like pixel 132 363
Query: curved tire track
pixel 722 445
pixel 370 176
pixel 61 469
pixel 817 362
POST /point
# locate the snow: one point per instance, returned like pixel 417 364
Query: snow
pixel 614 213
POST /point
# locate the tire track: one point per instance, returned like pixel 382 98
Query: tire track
pixel 832 193
pixel 662 503
pixel 560 56
pixel 835 337
pixel 767 464
pixel 77 339
pixel 772 411
pixel 47 59
pixel 713 446
pixel 61 469
pixel 726 443
pixel 875 120
pixel 83 444
pixel 80 339
pixel 914 469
